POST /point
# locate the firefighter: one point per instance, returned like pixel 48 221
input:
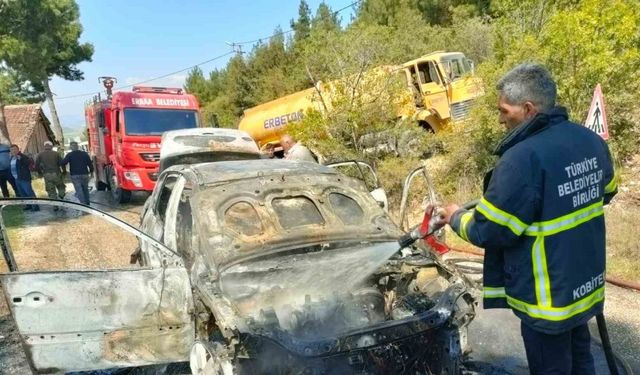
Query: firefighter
pixel 541 223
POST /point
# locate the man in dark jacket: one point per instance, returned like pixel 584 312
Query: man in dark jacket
pixel 48 164
pixel 80 169
pixel 20 164
pixel 541 223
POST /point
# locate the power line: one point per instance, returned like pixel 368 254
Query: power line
pixel 265 38
pixel 236 49
pixel 259 40
pixel 149 80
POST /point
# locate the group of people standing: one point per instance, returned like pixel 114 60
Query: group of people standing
pixel 16 168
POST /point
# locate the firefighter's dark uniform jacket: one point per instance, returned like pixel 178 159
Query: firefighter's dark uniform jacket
pixel 541 223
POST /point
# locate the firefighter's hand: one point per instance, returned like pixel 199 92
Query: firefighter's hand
pixel 448 212
pixel 437 216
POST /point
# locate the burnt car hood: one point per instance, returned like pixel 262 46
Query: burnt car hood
pixel 288 278
pixel 320 302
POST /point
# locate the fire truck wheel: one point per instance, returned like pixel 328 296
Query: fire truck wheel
pixel 101 186
pixel 118 194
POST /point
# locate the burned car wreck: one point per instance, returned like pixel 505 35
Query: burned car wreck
pixel 275 267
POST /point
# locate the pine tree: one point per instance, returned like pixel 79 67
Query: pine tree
pixel 25 49
pixel 325 20
pixel 302 26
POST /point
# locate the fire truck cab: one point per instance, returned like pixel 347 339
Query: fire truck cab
pixel 124 133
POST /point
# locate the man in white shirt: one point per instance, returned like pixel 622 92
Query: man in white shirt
pixel 294 150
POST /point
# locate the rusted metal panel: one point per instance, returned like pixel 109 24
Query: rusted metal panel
pixel 79 320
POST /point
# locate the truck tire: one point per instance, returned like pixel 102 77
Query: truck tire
pixel 118 194
pixel 101 186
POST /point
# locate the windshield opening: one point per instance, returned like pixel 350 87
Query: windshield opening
pixel 456 67
pixel 153 121
pixel 205 157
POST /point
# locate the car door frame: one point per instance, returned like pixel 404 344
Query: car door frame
pixel 150 219
pixel 406 187
pixel 129 317
pixel 377 191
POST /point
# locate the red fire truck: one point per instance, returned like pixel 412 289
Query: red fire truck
pixel 124 132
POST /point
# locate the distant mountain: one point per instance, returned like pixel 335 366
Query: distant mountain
pixel 73 127
pixel 76 134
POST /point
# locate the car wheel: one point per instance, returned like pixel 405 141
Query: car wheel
pixel 118 194
pixel 210 358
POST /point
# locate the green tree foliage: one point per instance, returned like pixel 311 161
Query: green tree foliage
pixel 267 66
pixel 42 41
pixel 445 12
pixel 582 42
pixel 363 103
pixel 384 12
pixel 325 20
pixel 14 89
pixel 196 84
pixel 302 26
pixel 603 47
pixel 433 12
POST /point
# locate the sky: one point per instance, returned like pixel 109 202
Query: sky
pixel 142 39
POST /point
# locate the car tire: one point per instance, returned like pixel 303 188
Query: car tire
pixel 210 358
pixel 118 194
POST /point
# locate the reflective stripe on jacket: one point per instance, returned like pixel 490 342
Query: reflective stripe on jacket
pixel 541 222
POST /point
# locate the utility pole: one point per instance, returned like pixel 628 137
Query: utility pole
pixel 235 47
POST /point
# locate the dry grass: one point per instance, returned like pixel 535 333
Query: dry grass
pixel 623 221
pixel 38 187
pixel 63 240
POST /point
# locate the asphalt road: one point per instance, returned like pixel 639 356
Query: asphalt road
pixel 495 334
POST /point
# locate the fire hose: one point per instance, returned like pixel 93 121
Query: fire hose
pixel 429 226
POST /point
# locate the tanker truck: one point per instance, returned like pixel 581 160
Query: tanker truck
pixel 442 86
